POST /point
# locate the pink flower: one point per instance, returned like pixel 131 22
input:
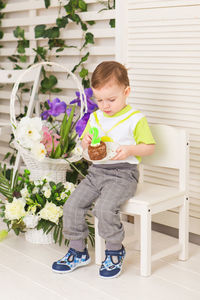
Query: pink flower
pixel 49 138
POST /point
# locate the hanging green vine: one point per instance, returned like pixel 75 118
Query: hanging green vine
pixel 2 6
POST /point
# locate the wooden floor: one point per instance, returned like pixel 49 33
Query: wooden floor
pixel 25 273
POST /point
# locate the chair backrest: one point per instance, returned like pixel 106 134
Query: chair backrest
pixel 171 151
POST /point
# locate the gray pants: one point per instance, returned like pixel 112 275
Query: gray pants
pixel 109 188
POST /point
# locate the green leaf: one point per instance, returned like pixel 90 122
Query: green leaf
pixel 83 73
pixel 57 152
pixel 62 22
pixel 82 5
pixel 83 26
pixel 23 58
pixel 40 200
pixel 41 51
pixel 13 58
pixel 39 31
pixel 1 34
pixel 89 38
pixel 47 3
pixel 7 155
pixel 55 90
pixel 91 22
pixel 52 33
pixel 48 82
pixel 18 32
pixel 112 23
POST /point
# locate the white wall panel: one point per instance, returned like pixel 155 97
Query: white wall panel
pixel 27 14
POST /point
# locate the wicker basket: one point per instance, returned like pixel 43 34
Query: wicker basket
pixel 54 169
pixel 38 236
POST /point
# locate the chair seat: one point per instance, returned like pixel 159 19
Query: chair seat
pixel 151 195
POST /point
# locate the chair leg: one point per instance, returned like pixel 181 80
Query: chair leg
pixel 137 232
pixel 145 256
pixel 99 245
pixel 184 229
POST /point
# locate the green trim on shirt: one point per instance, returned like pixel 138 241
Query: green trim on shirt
pixel 119 113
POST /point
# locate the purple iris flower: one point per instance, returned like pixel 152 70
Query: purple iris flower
pixel 81 124
pixel 90 104
pixel 56 107
pixel 45 115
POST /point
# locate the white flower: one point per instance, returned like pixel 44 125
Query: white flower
pixel 36 182
pixel 69 186
pixel 51 212
pixel 47 193
pixel 31 221
pixel 35 190
pixel 39 151
pixel 15 209
pixel 63 195
pixel 29 131
pixel 24 192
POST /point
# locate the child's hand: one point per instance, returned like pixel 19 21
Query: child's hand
pixel 122 152
pixel 86 141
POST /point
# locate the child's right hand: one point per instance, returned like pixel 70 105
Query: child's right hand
pixel 86 141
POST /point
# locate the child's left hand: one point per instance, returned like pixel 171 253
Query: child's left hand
pixel 122 152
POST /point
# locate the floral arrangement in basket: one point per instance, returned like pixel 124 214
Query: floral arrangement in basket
pixel 49 137
pixel 36 204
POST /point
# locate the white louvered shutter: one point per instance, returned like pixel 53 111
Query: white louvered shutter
pixel 159 41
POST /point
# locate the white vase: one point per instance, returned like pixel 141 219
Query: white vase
pixel 38 236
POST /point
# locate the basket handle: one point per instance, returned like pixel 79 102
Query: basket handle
pixel 19 79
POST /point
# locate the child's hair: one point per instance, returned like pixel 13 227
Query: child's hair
pixel 109 70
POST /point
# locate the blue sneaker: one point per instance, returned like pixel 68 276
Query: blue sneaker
pixel 72 260
pixel 110 269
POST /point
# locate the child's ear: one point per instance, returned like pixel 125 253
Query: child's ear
pixel 127 91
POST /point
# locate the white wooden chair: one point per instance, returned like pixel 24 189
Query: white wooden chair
pixel 10 77
pixel 171 152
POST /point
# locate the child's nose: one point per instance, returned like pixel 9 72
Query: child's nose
pixel 105 105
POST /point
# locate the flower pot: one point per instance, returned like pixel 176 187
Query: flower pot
pixel 38 236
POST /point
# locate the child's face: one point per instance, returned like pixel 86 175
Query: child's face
pixel 111 98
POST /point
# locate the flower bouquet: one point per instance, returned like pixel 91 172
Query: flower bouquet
pixel 37 207
pixel 49 145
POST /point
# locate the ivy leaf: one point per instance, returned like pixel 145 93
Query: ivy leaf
pixel 1 34
pixel 48 83
pixel 83 26
pixel 23 58
pixel 39 31
pixel 41 51
pixel 52 33
pixel 56 90
pixel 112 23
pixel 82 5
pixel 21 49
pixel 47 3
pixel 83 59
pixel 18 32
pixel 17 67
pixel 13 58
pixel 83 73
pixel 91 22
pixel 62 22
pixel 89 38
